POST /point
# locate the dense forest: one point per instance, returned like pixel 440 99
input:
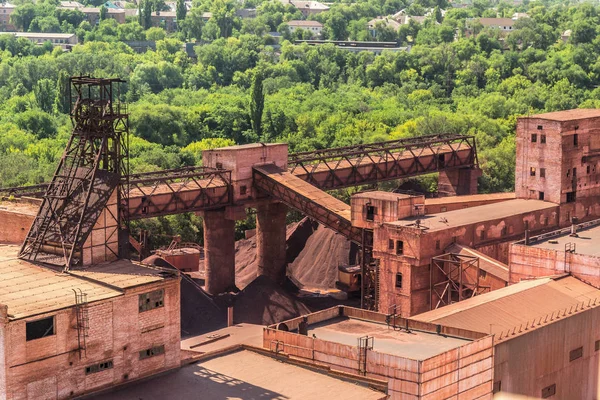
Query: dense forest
pixel 313 97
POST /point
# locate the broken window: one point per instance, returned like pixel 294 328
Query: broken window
pixel 588 169
pixel 243 190
pixel 543 139
pixel 371 211
pixel 549 391
pixel 390 244
pixel 497 387
pixel 533 137
pixel 541 196
pixel 219 165
pixel 570 197
pixel 540 127
pixel 399 247
pixel 575 354
pixel 39 329
pixel 542 172
pixel 482 274
pixel 153 351
pixel 532 171
pixel 92 369
pixel 152 300
pixel 399 280
pixel 575 139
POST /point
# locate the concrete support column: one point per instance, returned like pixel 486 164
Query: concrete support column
pixel 270 240
pixel 219 252
pixel 458 182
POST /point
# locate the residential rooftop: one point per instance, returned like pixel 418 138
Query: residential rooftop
pixel 502 311
pixel 473 215
pixel 304 23
pixel 415 345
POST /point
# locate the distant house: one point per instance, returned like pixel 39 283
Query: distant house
pixel 519 15
pixel 93 14
pixel 565 35
pixel 165 19
pixel 64 40
pixel 505 25
pixel 313 27
pixel 206 16
pixel 307 7
pixel 6 9
pixel 246 13
pixel 386 21
pixel 73 5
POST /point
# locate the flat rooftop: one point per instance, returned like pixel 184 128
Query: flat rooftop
pixel 415 345
pixel 473 215
pixel 28 289
pixel 567 115
pixel 586 242
pixel 470 198
pixel 243 374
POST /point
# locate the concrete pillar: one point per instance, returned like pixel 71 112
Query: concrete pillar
pixel 458 182
pixel 270 240
pixel 219 252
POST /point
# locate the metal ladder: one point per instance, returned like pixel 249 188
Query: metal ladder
pixel 83 323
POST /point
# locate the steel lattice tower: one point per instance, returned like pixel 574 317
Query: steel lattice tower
pixel 93 166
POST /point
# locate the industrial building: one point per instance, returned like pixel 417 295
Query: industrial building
pixel 450 305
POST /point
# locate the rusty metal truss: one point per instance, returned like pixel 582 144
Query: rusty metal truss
pixel 177 191
pixel 286 191
pixel 459 279
pixel 87 175
pixel 370 163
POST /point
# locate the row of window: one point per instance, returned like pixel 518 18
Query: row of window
pixel 534 138
pixel 144 354
pixel 44 327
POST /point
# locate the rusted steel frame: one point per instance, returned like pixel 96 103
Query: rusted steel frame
pixel 319 155
pixel 308 207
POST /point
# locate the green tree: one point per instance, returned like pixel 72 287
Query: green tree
pixel 103 12
pixel 62 102
pixel 23 15
pixel 181 11
pixel 44 94
pixel 257 103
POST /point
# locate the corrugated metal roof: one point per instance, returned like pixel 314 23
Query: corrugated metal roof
pixel 516 306
pixel 486 263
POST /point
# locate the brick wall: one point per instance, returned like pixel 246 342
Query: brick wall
pixel 14 226
pixel 51 367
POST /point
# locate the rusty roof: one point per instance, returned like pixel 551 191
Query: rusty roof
pixel 527 304
pixel 470 198
pixel 486 263
pixel 28 289
pixel 473 215
pixel 567 115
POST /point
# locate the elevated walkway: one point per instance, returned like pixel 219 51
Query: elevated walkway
pixel 311 201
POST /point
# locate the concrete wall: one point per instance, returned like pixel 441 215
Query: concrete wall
pixel 241 159
pixel 51 368
pixel 528 363
pixel 14 226
pixel 529 262
pixel 389 207
pixel 102 244
pixel 462 373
